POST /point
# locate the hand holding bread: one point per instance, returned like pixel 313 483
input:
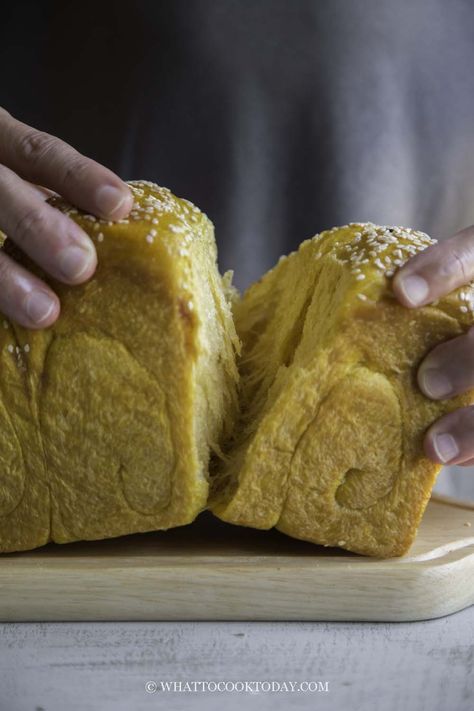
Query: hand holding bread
pixel 29 157
pixel 448 369
pixel 340 388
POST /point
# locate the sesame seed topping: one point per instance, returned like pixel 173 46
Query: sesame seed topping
pixel 175 228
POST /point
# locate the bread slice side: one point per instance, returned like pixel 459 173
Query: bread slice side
pixel 331 449
pixel 124 422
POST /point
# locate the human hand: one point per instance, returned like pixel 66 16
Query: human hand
pixel 448 369
pixel 33 166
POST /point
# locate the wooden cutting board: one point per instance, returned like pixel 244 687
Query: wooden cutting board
pixel 214 571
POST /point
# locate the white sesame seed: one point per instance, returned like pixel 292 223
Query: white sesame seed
pixel 100 237
pixel 26 348
pixel 359 277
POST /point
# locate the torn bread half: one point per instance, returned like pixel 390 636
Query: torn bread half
pixel 108 417
pixel 329 444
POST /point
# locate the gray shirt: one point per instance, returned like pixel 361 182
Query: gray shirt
pixel 278 118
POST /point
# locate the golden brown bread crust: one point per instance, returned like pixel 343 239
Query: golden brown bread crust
pixel 329 446
pixel 107 417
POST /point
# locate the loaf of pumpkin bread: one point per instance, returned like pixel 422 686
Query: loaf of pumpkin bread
pixel 108 417
pixel 329 444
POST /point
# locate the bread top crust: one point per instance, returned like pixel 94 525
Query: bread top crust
pixel 369 254
pixel 181 221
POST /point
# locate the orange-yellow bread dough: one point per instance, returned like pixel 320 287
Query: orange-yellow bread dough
pixel 108 417
pixel 329 446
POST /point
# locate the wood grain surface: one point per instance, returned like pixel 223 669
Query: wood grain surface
pixel 214 571
pixel 370 666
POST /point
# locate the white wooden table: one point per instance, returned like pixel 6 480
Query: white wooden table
pixel 417 666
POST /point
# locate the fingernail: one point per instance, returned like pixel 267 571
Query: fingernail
pixel 434 383
pixel 445 447
pixel 39 305
pixel 109 199
pixel 74 261
pixel 414 288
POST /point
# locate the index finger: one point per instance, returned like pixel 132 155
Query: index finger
pixel 436 271
pixel 41 158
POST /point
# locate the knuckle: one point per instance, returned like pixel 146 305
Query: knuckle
pixel 459 263
pixel 457 259
pixel 31 222
pixel 74 171
pixel 34 146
